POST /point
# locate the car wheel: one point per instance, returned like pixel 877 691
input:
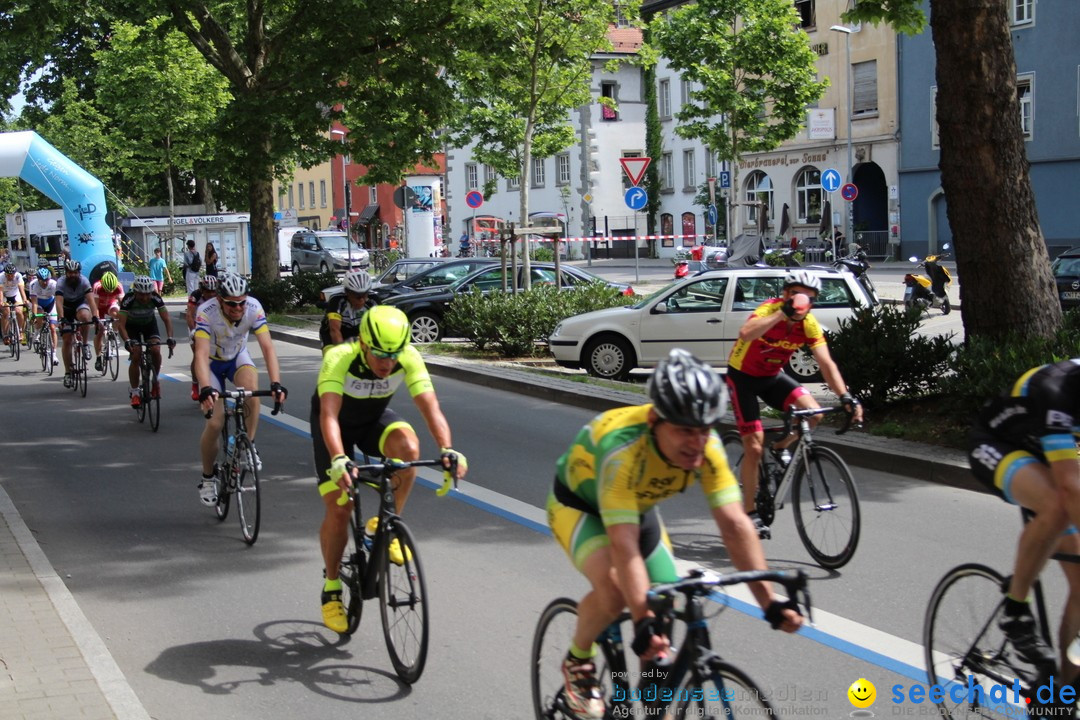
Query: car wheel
pixel 295 269
pixel 426 328
pixel 324 268
pixel 609 357
pixel 803 367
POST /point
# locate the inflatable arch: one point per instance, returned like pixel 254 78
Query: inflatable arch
pixel 27 156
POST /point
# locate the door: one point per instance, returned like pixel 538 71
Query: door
pixel 691 317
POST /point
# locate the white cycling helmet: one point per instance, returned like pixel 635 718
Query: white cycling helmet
pixel 358 281
pixel 803 278
pixel 232 285
pixel 142 284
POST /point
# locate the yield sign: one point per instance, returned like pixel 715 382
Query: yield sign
pixel 634 167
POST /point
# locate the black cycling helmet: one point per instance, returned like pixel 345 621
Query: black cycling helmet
pixel 686 391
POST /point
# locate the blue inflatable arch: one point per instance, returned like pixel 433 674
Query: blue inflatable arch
pixel 27 156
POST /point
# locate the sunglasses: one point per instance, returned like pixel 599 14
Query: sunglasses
pixel 384 355
pixel 234 303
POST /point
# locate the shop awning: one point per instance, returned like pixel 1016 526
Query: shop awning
pixel 367 214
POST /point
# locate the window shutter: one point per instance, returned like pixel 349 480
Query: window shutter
pixel 865 100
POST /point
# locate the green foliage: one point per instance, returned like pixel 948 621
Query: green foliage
pixel 883 358
pixel 542 254
pixel 169 287
pixel 776 259
pixel 288 293
pixel 513 323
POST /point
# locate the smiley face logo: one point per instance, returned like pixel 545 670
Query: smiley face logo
pixel 862 693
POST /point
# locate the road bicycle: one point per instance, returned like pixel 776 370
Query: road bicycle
pixel 42 341
pixel 238 463
pixel 962 640
pixel 13 335
pixel 696 683
pixel 81 353
pixel 825 501
pixel 367 570
pixel 149 401
pixel 110 349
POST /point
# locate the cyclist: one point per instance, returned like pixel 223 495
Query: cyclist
pixel 350 408
pixel 74 302
pixel 207 290
pixel 108 293
pixel 42 292
pixel 767 340
pixel 221 332
pixel 136 323
pixel 1023 447
pixel 14 297
pixel 341 321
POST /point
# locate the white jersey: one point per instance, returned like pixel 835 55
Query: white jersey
pixel 44 292
pixel 228 339
pixel 11 284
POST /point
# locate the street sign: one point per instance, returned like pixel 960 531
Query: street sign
pixel 849 192
pixel 713 215
pixel 831 180
pixel 636 198
pixel 634 167
pixel 404 197
pixel 474 199
pixel 725 178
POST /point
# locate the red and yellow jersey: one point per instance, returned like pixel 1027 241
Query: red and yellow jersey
pixel 767 355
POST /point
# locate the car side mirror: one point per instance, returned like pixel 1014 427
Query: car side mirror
pixel 660 309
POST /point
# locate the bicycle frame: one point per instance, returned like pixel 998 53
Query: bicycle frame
pixel 799 454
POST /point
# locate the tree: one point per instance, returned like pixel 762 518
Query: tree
pixel 752 70
pixel 518 104
pixel 1000 249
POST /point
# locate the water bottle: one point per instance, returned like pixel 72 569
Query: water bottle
pixel 231 446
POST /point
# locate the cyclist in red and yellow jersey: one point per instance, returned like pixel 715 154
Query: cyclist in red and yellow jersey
pixel 767 340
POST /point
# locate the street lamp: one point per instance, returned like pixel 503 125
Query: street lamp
pixel 847 175
pixel 345 196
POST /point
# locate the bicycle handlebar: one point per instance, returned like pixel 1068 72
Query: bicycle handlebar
pixel 143 343
pixel 701 582
pixel 242 394
pixel 448 462
pixel 794 412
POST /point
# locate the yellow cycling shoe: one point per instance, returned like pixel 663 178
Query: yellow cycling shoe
pixel 395 553
pixel 333 612
pixel 372 525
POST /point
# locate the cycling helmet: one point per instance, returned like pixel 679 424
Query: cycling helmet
pixel 44 274
pixel 141 284
pixel 686 391
pixel 358 281
pixel 209 283
pixel 72 265
pixel 385 328
pixel 43 262
pixel 10 268
pixel 232 285
pixel 109 282
pixel 804 278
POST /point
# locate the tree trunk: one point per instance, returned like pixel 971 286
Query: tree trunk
pixel 264 251
pixel 1001 256
pixel 523 189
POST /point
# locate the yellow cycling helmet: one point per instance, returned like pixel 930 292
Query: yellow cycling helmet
pixel 109 282
pixel 385 329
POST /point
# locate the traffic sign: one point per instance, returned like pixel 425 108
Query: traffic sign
pixel 636 198
pixel 849 192
pixel 713 215
pixel 474 199
pixel 404 196
pixel 725 178
pixel 831 180
pixel 634 167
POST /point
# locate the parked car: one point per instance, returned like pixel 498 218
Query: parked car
pixel 427 308
pixel 701 313
pixel 325 251
pixel 284 243
pixel 1066 269
pixel 412 274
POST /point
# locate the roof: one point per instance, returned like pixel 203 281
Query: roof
pixel 625 39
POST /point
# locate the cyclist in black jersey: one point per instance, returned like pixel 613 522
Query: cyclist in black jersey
pixel 207 290
pixel 1023 448
pixel 342 319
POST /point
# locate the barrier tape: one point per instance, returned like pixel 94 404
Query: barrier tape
pixel 611 238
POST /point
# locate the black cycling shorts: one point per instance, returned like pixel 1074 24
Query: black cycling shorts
pixel 777 391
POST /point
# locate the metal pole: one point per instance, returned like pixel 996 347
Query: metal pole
pixel 847 210
pixel 345 190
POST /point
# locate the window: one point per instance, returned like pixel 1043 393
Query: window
pixel 663 99
pixel 311 194
pixel 934 140
pixel 562 169
pixel 628 154
pixel 805 10
pixel 808 196
pixel 538 172
pixel 701 297
pixel 373 195
pixel 291 204
pixel 471 176
pixel 1023 11
pixel 684 91
pixel 689 171
pixel 513 183
pixel 489 174
pixel 710 163
pixel 1025 93
pixel 281 198
pixel 607 90
pixel 300 192
pixel 667 173
pixel 759 189
pixel 864 101
pixel 322 193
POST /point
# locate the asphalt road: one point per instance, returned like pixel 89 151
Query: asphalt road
pixel 203 626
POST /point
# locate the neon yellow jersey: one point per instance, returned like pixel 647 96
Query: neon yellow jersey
pixel 344 372
pixel 614 466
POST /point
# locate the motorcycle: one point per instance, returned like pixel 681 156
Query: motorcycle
pixel 932 291
pixel 858 264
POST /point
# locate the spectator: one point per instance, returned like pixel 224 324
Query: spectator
pixel 211 257
pixel 159 270
pixel 192 265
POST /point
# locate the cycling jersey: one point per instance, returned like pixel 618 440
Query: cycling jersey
pixel 364 396
pixel 198 297
pixel 767 355
pixel 614 469
pixel 74 293
pixel 106 300
pixel 141 313
pixel 11 284
pixel 229 339
pixel 341 310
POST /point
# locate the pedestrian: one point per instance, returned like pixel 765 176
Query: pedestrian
pixel 159 270
pixel 211 257
pixel 192 265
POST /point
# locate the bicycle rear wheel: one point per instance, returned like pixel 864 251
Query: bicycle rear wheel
pixel 47 350
pixel 403 602
pixel 81 375
pixel 726 692
pixel 764 502
pixel 144 395
pixel 247 490
pixel 826 506
pixel 225 489
pixel 16 338
pixel 112 356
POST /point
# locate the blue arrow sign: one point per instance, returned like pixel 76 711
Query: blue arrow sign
pixel 831 180
pixel 636 198
pixel 712 215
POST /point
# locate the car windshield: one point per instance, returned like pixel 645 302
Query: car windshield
pixel 1066 266
pixel 334 242
pixel 648 298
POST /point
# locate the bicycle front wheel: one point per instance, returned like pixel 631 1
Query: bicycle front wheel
pixel 112 357
pixel 82 377
pixel 16 340
pixel 403 602
pixel 247 490
pixel 725 692
pixel 352 571
pixel 826 506
pixel 961 638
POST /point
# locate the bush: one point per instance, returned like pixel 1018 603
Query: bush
pixel 883 358
pixel 176 272
pixel 289 293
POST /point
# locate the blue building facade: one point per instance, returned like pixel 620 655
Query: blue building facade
pixel 1048 78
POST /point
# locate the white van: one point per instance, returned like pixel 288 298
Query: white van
pixel 284 244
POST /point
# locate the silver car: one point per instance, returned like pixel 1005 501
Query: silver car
pixel 326 251
pixel 701 313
